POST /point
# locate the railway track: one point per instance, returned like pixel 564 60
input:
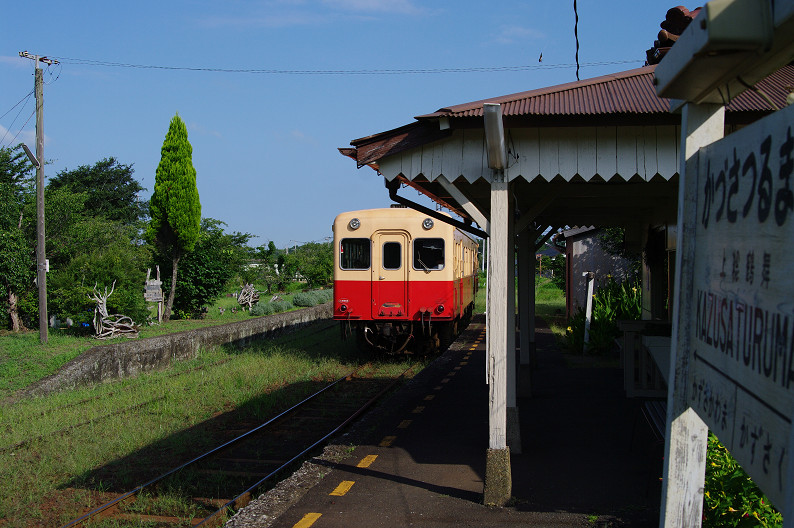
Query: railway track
pixel 214 484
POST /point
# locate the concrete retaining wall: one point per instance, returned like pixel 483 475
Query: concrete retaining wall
pixel 131 357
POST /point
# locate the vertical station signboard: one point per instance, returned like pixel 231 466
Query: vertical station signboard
pixel 741 353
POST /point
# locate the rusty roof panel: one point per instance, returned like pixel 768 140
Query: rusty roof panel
pixel 629 92
pixel 776 87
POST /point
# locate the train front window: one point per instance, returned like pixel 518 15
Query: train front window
pixel 354 253
pixel 429 254
pixel 392 255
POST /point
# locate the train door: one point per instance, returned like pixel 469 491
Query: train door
pixel 389 275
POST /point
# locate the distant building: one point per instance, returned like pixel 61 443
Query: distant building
pixel 584 252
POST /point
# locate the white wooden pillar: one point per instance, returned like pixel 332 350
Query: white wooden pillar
pixel 513 420
pixel 526 309
pixel 526 295
pixel 686 435
pixel 498 484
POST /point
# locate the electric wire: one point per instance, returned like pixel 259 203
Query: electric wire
pixel 17 104
pixel 576 36
pixel 8 129
pixel 19 132
pixel 385 71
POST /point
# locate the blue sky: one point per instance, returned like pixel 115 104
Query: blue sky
pixel 264 144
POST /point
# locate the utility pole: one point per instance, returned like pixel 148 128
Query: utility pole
pixel 41 257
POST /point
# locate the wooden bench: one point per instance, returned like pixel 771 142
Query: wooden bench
pixel 655 414
pixel 641 375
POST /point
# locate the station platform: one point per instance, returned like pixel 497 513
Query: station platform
pixel 585 458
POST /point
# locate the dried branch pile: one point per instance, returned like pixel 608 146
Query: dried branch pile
pixel 110 326
pixel 248 296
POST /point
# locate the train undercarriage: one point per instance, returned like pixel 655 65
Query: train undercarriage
pixel 393 337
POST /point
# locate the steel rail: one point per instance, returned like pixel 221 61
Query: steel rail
pixel 245 497
pixel 138 489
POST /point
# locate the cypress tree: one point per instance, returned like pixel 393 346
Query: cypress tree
pixel 175 209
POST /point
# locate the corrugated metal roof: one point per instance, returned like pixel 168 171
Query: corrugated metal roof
pixel 629 92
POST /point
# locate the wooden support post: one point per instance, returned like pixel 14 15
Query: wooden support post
pixel 498 483
pixel 687 435
pixel 526 295
pixel 588 313
pixel 513 421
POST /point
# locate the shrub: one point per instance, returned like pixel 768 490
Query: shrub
pixel 731 498
pixel 269 308
pixel 612 302
pixel 324 296
pixel 312 298
pixel 304 299
pixel 281 306
pixel 260 309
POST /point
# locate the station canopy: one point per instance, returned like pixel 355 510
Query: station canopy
pixel 601 151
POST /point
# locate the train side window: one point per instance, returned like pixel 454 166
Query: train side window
pixel 354 253
pixel 392 255
pixel 429 254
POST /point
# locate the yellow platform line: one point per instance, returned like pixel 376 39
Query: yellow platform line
pixel 387 441
pixel 429 397
pixel 307 520
pixel 404 424
pixel 418 409
pixel 342 488
pixel 367 461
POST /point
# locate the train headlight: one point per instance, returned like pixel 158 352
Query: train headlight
pixel 343 308
pixel 427 223
pixel 355 223
pixel 440 308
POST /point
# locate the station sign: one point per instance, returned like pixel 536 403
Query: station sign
pixel 741 325
pixel 153 291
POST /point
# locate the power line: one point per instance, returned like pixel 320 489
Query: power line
pixel 395 71
pixel 18 103
pixel 25 99
pixel 20 130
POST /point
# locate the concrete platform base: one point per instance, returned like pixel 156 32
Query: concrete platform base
pixel 498 481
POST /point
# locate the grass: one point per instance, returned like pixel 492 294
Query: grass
pixel 549 303
pixel 171 413
pixel 49 446
pixel 24 360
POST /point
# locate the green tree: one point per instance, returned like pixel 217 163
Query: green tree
pixel 85 251
pixel 287 264
pixel 316 263
pixel 175 208
pixel 17 259
pixel 204 272
pixel 111 190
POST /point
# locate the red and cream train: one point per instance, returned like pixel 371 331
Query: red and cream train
pixel 402 281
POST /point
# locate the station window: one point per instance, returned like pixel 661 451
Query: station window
pixel 392 255
pixel 354 253
pixel 429 254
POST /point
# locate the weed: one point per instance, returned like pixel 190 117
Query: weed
pixel 117 435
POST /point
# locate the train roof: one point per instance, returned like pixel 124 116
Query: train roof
pixel 392 213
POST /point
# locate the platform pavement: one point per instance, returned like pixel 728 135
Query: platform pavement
pixel 424 464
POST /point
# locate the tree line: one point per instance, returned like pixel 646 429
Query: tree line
pixel 100 231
